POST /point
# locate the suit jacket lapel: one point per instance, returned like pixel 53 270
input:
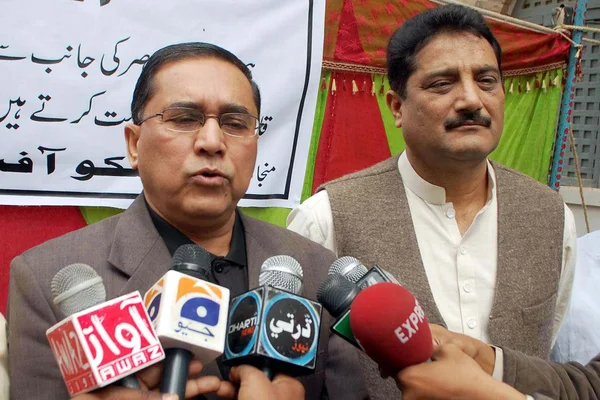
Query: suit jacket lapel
pixel 137 250
pixel 256 254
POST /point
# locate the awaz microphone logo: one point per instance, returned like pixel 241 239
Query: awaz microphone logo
pixel 200 305
pixel 290 329
pixel 119 344
pixel 104 343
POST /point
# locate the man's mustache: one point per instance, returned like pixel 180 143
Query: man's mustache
pixel 468 118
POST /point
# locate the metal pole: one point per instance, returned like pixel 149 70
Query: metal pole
pixel 566 109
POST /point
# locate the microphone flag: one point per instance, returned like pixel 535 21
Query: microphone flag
pixel 104 343
pixel 189 313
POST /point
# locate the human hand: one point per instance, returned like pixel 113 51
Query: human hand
pixel 482 353
pixel 452 375
pixel 149 380
pixel 254 385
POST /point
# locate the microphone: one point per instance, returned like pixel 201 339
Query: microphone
pixel 390 326
pixel 353 270
pixel 272 327
pixel 346 277
pixel 336 294
pixel 99 342
pixel 348 267
pixel 189 315
pixel 374 276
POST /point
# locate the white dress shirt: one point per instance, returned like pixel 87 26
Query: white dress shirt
pixel 578 338
pixel 461 270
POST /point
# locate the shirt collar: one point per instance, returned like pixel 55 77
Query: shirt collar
pixel 431 193
pixel 173 238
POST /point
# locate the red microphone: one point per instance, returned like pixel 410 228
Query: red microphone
pixel 390 326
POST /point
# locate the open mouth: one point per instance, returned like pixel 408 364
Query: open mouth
pixel 211 174
pixel 209 177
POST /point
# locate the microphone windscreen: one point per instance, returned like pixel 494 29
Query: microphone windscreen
pixel 336 294
pixel 193 260
pixel 282 272
pixel 349 267
pixel 77 287
pixel 390 326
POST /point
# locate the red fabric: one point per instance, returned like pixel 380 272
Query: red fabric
pixel 349 46
pixel 26 227
pixel 375 21
pixel 353 136
pixel 524 49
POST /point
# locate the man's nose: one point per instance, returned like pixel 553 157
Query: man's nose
pixel 210 137
pixel 470 98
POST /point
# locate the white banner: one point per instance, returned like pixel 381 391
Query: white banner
pixel 67 73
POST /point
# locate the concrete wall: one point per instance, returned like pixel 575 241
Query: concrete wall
pixel 592 200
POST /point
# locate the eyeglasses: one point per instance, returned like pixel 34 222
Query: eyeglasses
pixel 189 120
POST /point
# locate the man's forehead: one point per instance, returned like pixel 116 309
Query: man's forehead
pixel 201 79
pixel 196 67
pixel 447 49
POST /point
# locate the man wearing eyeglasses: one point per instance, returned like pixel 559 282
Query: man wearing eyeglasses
pixel 194 141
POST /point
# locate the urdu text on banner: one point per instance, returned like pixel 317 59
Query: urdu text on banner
pixel 67 73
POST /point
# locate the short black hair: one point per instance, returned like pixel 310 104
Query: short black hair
pixel 144 88
pixel 419 30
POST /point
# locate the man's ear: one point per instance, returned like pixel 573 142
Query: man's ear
pixel 132 136
pixel 394 103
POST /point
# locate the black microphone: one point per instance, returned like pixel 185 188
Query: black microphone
pixel 191 322
pixel 272 327
pixel 347 276
pixel 374 276
pixel 336 294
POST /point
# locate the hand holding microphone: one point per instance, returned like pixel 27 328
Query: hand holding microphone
pixel 150 380
pixel 255 385
pixel 99 342
pixel 189 315
pixel 452 375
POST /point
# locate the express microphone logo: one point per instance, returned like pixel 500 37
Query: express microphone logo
pixel 153 298
pixel 200 305
pixel 290 329
pixel 410 327
pixel 242 327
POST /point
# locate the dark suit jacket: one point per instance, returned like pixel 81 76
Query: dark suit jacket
pixel 128 253
pixel 549 380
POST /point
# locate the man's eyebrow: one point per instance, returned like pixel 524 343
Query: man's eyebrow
pixel 441 72
pixel 185 104
pixel 454 71
pixel 225 108
pixel 487 68
pixel 233 108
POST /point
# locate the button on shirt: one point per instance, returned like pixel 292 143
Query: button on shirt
pixel 461 270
